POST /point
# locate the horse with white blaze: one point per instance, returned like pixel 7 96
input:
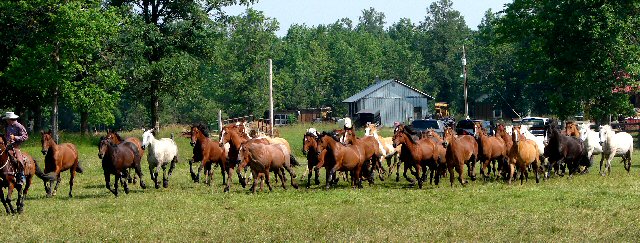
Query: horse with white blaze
pixel 161 152
pixel 615 145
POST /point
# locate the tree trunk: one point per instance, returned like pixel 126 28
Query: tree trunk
pixel 54 115
pixel 155 100
pixel 84 122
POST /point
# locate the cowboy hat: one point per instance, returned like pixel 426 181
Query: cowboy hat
pixel 10 115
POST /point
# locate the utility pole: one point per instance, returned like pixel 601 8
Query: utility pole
pixel 271 96
pixel 464 73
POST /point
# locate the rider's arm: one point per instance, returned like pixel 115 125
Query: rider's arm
pixel 21 135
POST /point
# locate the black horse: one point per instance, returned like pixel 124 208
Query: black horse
pixel 563 149
pixel 116 159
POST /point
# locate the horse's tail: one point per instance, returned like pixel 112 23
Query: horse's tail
pixel 79 168
pixel 294 161
pixel 171 136
pixel 42 175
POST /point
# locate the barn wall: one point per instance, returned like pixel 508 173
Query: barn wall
pixel 395 103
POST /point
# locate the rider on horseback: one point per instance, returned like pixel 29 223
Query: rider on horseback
pixel 16 134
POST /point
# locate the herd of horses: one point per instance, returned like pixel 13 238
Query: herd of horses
pixel 511 151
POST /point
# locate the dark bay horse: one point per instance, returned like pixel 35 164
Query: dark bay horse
pixel 208 152
pixel 420 154
pixel 117 139
pixel 461 150
pixel 8 166
pixel 490 149
pixel 347 158
pixel 59 158
pixel 116 159
pixel 310 150
pixel 565 149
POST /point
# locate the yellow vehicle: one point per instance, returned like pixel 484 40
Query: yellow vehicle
pixel 442 109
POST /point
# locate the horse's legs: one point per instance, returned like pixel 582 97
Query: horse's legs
pixel 229 173
pixel 72 174
pixel 138 169
pixel 58 179
pixel 107 182
pixel 292 173
pixel 8 198
pixel 20 199
pixel 512 169
pixel 327 174
pixel 27 185
pixel 268 178
pixel 165 180
pixel 194 177
pixel 4 201
pixel 460 170
pixel 406 167
pixel 125 186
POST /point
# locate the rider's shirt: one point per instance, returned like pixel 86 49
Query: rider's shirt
pixel 19 133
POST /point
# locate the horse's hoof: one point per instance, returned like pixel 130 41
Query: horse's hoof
pixel 317 182
pixel 157 185
pixel 126 191
pixel 226 189
pixel 70 196
pixel 142 185
pixel 165 183
pixel 54 193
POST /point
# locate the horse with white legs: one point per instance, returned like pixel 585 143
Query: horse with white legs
pixel 615 145
pixel 161 153
pixel 591 140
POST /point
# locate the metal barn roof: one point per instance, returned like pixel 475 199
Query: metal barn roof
pixel 372 88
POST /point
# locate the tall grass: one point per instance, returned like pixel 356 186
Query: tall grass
pixel 581 208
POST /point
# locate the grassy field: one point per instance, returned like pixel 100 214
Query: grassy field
pixel 582 208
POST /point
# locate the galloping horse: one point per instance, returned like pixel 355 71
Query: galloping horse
pixel 461 150
pixel 615 145
pixel 490 149
pixel 442 151
pixel 504 132
pixel 420 154
pixel 523 153
pixel 116 159
pixel 369 148
pixel 592 142
pixel 208 152
pixel 310 149
pixel 564 149
pixel 347 158
pixel 59 158
pixel 264 158
pixel 116 139
pixel 161 153
pixel 389 152
pixel 8 166
pixel 233 136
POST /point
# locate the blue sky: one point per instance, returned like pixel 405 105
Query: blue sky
pixel 316 12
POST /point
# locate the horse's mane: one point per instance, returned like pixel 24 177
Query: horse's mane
pixel 202 129
pixel 409 135
pixel 332 134
pixel 117 136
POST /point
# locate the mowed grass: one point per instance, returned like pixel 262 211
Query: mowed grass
pixel 582 208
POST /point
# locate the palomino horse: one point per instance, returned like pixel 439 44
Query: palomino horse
pixel 615 145
pixel 490 149
pixel 571 129
pixel 310 149
pixel 208 152
pixel 116 139
pixel 8 166
pixel 116 159
pixel 461 150
pixel 370 151
pixel 389 152
pixel 346 158
pixel 523 153
pixel 161 152
pixel 59 158
pixel 564 149
pixel 264 158
pixel 420 154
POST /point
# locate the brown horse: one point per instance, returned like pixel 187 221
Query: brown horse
pixel 418 154
pixel 461 150
pixel 369 149
pixel 116 139
pixel 116 159
pixel 59 158
pixel 523 153
pixel 264 158
pixel 8 166
pixel 490 149
pixel 310 149
pixel 501 131
pixel 231 134
pixel 347 158
pixel 207 152
pixel 442 151
pixel 571 129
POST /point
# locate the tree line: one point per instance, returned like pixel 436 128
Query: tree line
pixel 127 64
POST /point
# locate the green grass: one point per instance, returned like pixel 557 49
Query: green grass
pixel 582 208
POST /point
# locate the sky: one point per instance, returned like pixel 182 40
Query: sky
pixel 315 12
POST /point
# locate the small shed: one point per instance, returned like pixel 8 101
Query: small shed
pixel 392 99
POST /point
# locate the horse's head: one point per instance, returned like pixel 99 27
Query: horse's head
pixel 349 137
pixel 449 135
pixel 225 134
pixel 103 146
pixel 147 137
pixel 604 132
pixel 309 141
pixel 46 141
pixel 515 134
pixel 584 130
pixel 401 138
pixel 243 154
pixel 371 129
pixel 198 132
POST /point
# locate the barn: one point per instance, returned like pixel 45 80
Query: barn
pixel 392 100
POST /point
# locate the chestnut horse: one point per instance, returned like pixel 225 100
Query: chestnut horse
pixel 116 159
pixel 234 137
pixel 442 151
pixel 523 153
pixel 420 154
pixel 264 158
pixel 502 132
pixel 310 149
pixel 208 152
pixel 8 166
pixel 346 158
pixel 461 150
pixel 59 158
pixel 116 139
pixel 490 149
pixel 571 129
pixel 369 149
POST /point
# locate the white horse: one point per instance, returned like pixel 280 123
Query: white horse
pixel 615 145
pixel 161 152
pixel 591 141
